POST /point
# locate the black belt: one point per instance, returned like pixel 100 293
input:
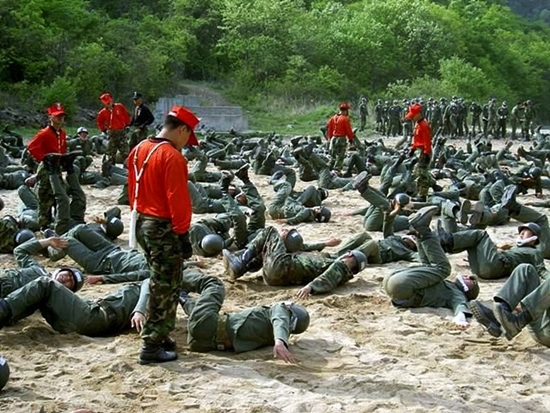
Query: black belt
pixel 146 217
pixel 111 314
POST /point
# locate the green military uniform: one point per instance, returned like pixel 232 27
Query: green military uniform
pixel 66 312
pixel 70 202
pixel 200 173
pixel 98 255
pixel 363 113
pixel 200 201
pixel 219 225
pixel 426 285
pixel 487 262
pixel 13 279
pixel 328 179
pixel 280 268
pixel 390 249
pixel 246 330
pixel 13 180
pixel 86 147
pixel 526 288
pixel 282 206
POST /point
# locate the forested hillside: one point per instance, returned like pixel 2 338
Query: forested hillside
pixel 259 49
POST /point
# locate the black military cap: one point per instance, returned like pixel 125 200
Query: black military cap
pixel 137 95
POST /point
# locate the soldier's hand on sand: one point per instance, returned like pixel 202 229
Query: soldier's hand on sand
pixel 138 320
pixel 304 293
pixel 460 321
pixel 281 352
pixel 333 242
pixel 58 243
pixel 93 279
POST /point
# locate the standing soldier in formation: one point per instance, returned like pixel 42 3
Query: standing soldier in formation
pixel 528 116
pixel 157 189
pixel 462 117
pixel 363 113
pixel 112 121
pixel 475 110
pixel 339 133
pixel 141 119
pixel 379 113
pixel 492 118
pixel 502 114
pixel 422 139
pixel 407 123
pixel 394 115
pixel 516 118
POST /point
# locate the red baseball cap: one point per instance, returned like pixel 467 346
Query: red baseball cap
pixel 187 117
pixel 56 109
pixel 413 111
pixel 344 106
pixel 106 98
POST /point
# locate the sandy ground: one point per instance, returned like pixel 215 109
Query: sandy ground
pixel 359 355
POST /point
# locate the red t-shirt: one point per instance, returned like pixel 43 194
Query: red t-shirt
pixel 115 119
pixel 339 125
pixel 163 184
pixel 422 137
pixel 47 141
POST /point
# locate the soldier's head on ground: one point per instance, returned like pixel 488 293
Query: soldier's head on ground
pixel 70 277
pixel 529 234
pixel 113 227
pixel 212 245
pixel 469 285
pixel 535 172
pixel 299 318
pixel 323 193
pixel 292 239
pixel 23 235
pixel 355 260
pixel 322 214
pixel 402 199
pixel 411 241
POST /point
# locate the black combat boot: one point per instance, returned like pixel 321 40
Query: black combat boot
pixel 420 220
pixel 5 313
pixel 155 353
pixel 237 266
pixel 361 181
pixel 512 323
pixel 508 200
pixel 485 316
pixel 242 173
pixel 225 181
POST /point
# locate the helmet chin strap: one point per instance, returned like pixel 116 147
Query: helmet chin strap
pixel 463 283
pixel 521 242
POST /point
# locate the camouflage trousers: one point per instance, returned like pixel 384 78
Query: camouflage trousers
pixel 46 198
pixel 162 251
pixel 338 146
pixel 136 137
pixel 118 142
pixel 422 176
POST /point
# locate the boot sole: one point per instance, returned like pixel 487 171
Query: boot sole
pixel 501 319
pixel 147 362
pixel 490 326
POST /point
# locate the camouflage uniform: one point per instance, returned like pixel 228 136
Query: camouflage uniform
pixel 162 249
pixel 280 268
pixel 201 202
pixel 118 142
pixel 219 225
pixel 8 230
pixel 247 330
pixel 284 207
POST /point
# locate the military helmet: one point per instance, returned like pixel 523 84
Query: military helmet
pixel 299 318
pixel 212 244
pixel 387 102
pixel 323 215
pixel 533 227
pixel 293 241
pixel 4 372
pixel 81 129
pixel 395 101
pixel 535 172
pixel 78 277
pixel 23 235
pixel 360 258
pixel 114 227
pixel 402 199
pixel 471 292
pixel 323 193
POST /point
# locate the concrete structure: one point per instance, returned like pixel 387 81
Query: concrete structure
pixel 218 118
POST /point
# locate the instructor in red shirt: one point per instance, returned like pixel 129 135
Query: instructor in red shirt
pixel 339 133
pixel 422 143
pixel 161 211
pixel 112 120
